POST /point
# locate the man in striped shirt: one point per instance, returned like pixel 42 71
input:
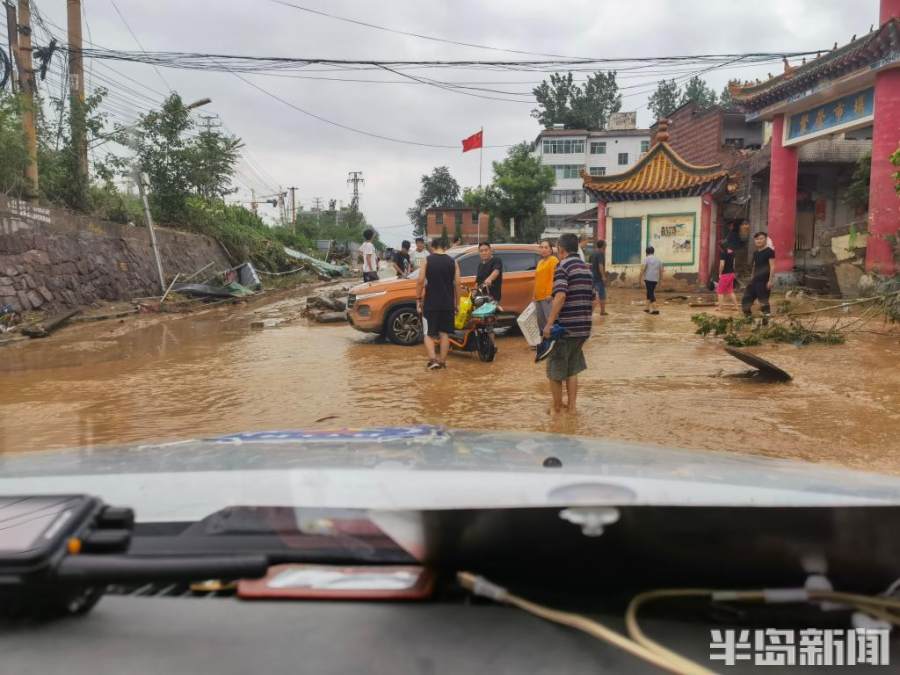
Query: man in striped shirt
pixel 573 300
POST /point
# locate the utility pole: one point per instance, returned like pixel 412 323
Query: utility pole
pixel 143 184
pixel 11 26
pixel 293 208
pixel 210 122
pixel 355 179
pixel 26 84
pixel 76 99
pixel 318 207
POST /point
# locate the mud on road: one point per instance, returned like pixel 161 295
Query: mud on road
pixel 650 379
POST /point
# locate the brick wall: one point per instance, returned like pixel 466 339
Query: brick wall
pixel 51 258
pixel 470 228
pixel 697 136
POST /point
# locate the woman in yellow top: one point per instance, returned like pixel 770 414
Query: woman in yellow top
pixel 543 282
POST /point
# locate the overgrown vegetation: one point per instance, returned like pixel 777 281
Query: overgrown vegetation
pixel 857 194
pixel 189 174
pixel 748 332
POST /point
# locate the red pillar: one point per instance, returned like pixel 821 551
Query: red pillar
pixel 782 198
pixel 884 204
pixel 705 221
pixel 600 225
pixel 888 9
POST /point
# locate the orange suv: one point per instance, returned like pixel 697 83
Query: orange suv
pixel 388 306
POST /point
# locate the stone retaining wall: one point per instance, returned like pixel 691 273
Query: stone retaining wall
pixel 51 258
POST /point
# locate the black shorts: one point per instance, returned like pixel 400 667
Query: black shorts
pixel 651 290
pixel 370 276
pixel 438 321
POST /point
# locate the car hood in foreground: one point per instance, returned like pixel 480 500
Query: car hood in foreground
pixel 423 468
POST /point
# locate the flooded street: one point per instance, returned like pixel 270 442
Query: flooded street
pixel 650 379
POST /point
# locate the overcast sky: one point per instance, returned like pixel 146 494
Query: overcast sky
pixel 288 148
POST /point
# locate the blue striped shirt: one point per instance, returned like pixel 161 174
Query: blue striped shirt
pixel 573 277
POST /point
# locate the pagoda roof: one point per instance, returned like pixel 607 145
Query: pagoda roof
pixel 857 54
pixel 659 174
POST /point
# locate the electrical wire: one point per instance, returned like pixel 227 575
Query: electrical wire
pixel 483 587
pixel 411 34
pixel 140 46
pixel 638 644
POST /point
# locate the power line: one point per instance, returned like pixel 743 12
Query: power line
pixel 339 124
pixel 411 34
pixel 122 17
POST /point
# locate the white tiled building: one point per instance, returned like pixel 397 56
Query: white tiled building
pixel 569 151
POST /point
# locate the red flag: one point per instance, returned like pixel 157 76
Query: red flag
pixel 473 142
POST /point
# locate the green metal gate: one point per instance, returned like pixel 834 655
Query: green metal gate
pixel 626 241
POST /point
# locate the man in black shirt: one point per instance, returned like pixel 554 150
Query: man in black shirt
pixel 490 271
pixel 401 260
pixel 762 276
pixel 436 301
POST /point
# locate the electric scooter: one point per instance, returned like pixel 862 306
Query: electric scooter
pixel 477 333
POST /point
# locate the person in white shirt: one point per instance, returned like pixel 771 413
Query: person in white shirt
pixel 651 274
pixel 420 254
pixel 369 257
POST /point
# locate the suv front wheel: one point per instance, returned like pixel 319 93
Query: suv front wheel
pixel 404 326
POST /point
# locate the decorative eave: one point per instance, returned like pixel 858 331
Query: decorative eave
pixel 661 173
pixel 860 53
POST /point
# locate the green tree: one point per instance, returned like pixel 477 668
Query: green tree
pixel 214 156
pixel 440 190
pixel 12 146
pixel 665 99
pixel 445 238
pixel 696 90
pixel 561 101
pixel 458 233
pixel 725 99
pixel 60 180
pixel 177 165
pixel 518 189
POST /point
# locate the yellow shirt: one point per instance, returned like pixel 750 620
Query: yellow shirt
pixel 543 277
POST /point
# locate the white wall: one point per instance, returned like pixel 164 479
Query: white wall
pixel 642 209
pixel 609 160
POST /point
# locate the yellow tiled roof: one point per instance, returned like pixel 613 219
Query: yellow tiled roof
pixel 661 170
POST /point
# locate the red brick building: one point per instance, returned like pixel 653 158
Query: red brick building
pixel 714 135
pixel 457 220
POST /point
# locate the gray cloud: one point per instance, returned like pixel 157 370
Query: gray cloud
pixel 293 149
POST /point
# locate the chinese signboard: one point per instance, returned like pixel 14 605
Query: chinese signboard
pixel 853 110
pixel 673 237
pixel 622 120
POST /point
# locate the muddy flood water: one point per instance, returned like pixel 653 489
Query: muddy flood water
pixel 650 380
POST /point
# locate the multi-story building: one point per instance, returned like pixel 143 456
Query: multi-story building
pixel 569 151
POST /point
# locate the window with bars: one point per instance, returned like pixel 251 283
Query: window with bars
pixel 563 146
pixel 623 158
pixel 567 170
pixel 566 197
pixel 598 147
pixel 439 217
pixel 598 170
pixel 645 146
pixel 459 217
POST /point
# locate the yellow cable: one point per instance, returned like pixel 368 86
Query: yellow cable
pixel 594 629
pixel 651 651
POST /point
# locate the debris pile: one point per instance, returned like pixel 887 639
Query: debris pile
pixel 324 270
pixel 327 306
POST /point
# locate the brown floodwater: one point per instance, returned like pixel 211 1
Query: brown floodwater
pixel 650 379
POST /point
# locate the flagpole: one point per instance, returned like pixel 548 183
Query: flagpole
pixel 480 155
pixel 480 163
